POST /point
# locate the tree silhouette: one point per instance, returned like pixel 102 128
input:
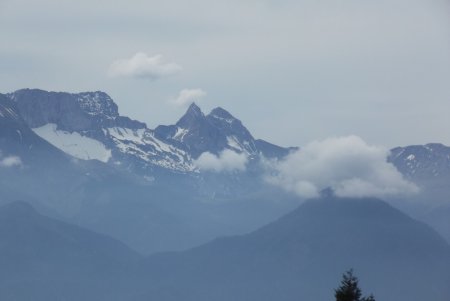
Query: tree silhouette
pixel 349 289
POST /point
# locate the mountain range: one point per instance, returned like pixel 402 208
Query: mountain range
pixel 97 186
pixel 78 159
pixel 88 126
pixel 83 162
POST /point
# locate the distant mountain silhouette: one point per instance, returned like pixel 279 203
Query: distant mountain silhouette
pixel 303 254
pixel 45 259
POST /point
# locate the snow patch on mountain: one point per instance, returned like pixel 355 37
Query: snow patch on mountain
pixel 74 144
pixel 142 144
pixel 180 133
pixel 240 146
pixel 123 134
pixel 411 157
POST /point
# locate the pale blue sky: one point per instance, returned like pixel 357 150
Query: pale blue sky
pixel 292 71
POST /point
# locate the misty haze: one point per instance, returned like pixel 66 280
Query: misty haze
pixel 224 151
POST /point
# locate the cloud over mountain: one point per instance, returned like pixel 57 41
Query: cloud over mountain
pixel 347 165
pixel 227 160
pixel 186 96
pixel 143 66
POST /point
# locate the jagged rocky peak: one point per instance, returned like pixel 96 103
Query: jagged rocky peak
pixel 427 152
pixel 422 161
pixel 215 132
pixel 237 135
pixel 222 119
pixel 194 109
pixel 219 130
pixel 192 116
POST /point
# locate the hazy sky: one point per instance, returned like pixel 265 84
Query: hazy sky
pixel 293 71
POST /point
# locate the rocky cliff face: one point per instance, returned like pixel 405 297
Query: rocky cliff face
pixel 71 112
pixel 195 133
pixel 422 162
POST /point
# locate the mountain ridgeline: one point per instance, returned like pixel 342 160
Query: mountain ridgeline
pixel 300 256
pixel 83 124
pixel 98 185
pixel 95 116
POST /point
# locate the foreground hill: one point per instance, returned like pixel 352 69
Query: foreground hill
pixel 45 259
pixel 303 254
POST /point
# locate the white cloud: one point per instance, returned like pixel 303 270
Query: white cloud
pixel 347 165
pixel 186 96
pixel 143 66
pixel 10 161
pixel 227 160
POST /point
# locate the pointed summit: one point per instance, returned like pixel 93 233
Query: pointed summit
pixel 193 107
pixel 192 116
pixel 223 119
pixel 237 135
pixel 194 110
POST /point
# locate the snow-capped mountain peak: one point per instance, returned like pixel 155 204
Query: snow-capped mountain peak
pixel 88 126
pixel 219 130
pixel 191 118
